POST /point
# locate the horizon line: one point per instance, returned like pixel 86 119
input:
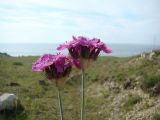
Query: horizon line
pixel 64 42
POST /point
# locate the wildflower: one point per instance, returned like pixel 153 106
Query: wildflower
pixel 57 68
pixel 54 66
pixel 85 50
pixel 82 47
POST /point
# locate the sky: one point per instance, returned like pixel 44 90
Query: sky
pixel 55 21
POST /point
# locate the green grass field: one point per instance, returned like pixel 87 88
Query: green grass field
pixel 106 96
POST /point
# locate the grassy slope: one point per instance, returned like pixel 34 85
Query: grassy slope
pixel 105 95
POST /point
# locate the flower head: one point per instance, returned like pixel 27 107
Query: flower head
pixel 82 47
pixel 54 66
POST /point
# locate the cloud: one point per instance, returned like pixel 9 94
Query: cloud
pixel 115 21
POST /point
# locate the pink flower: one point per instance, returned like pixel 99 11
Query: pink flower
pixel 55 66
pixel 82 47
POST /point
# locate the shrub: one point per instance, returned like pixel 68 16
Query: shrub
pixel 18 63
pixel 157 52
pixel 150 82
pixel 131 101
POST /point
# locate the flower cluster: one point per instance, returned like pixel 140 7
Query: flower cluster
pixel 82 47
pixel 54 66
pixel 82 50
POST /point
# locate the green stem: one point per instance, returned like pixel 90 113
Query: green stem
pixel 82 97
pixel 60 104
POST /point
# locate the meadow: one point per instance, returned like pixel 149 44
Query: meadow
pixel 117 88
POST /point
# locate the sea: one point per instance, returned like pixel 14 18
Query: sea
pixel 34 49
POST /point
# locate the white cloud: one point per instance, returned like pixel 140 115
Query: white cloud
pixel 130 21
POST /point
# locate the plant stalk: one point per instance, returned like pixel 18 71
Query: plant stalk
pixel 82 97
pixel 60 103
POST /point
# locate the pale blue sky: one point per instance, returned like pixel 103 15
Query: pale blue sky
pixel 54 21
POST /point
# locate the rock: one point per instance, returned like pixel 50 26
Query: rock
pixel 8 101
pixel 156 88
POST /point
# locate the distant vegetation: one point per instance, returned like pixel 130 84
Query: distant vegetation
pixel 4 54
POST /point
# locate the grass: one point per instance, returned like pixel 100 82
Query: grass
pixel 156 116
pixel 131 101
pixel 150 81
pixel 40 102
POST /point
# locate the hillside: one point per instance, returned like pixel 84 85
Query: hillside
pixel 116 89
